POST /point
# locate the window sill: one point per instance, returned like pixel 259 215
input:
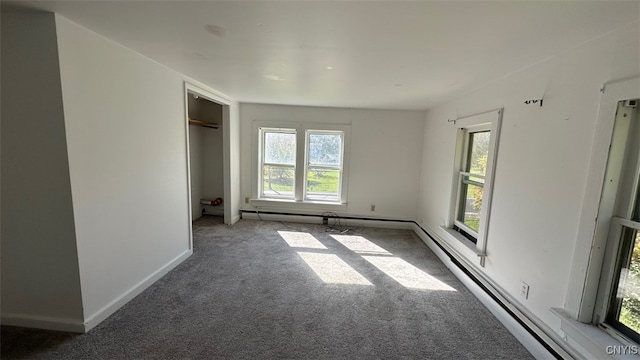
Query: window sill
pixel 293 204
pixel 459 238
pixel 592 340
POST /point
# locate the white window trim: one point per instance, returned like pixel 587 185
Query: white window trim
pixel 461 172
pixel 307 166
pixel 583 303
pixel 299 200
pixel 261 134
pixel 486 121
pixel 582 294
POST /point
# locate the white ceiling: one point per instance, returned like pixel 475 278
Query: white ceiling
pixel 384 54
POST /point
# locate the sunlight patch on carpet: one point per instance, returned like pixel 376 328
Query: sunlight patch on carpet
pixel 360 245
pixel 301 239
pixel 333 270
pixel 406 274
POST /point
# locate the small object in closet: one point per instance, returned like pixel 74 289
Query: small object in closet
pixel 214 202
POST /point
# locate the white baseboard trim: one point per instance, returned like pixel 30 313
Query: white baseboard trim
pixel 515 328
pixel 113 306
pixel 43 322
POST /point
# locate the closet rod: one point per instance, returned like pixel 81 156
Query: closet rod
pixel 207 124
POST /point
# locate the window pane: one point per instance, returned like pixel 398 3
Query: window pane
pixel 478 152
pixel 278 180
pixel 323 184
pixel 636 211
pixel 325 149
pixel 628 292
pixel 470 205
pixel 280 148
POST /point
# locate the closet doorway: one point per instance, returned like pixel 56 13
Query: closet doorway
pixel 206 121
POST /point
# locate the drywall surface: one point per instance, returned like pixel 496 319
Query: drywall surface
pixel 542 164
pixel 212 167
pixel 231 163
pixel 40 278
pixel 385 153
pixel 124 117
pixel 195 158
pixel 209 147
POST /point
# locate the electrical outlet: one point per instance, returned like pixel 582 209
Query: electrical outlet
pixel 246 200
pixel 373 208
pixel 524 290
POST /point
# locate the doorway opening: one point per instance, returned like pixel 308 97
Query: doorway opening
pixel 206 161
pixel 209 172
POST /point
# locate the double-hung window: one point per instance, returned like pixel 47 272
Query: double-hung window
pixel 323 173
pixel 619 290
pixel 304 164
pixel 474 165
pixel 471 180
pixel 278 163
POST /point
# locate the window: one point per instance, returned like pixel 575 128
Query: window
pixel 302 164
pixel 324 165
pixel 278 163
pixel 476 149
pixel 619 290
pixel 471 180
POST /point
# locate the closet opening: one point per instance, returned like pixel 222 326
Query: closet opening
pixel 206 156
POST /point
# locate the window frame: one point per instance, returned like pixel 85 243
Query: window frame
pixel 463 172
pixel 613 219
pixel 488 121
pixel 300 197
pixel 308 166
pixel 261 143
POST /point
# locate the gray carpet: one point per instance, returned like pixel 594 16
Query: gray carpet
pixel 247 293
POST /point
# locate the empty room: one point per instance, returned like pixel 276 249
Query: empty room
pixel 320 180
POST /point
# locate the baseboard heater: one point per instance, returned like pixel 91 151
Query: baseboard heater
pixel 325 217
pixel 493 296
pixel 454 260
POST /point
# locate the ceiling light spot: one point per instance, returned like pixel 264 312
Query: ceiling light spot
pixel 215 30
pixel 273 77
pixel 329 68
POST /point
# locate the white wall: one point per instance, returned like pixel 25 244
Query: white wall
pixel 213 179
pixel 231 162
pixel 195 151
pixel 212 172
pixel 542 164
pixel 124 116
pixel 385 153
pixel 40 278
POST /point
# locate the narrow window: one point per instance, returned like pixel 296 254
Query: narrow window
pixel 623 175
pixel 471 183
pixel 278 163
pixel 323 171
pixel 624 311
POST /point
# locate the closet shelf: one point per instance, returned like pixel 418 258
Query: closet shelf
pixel 203 123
